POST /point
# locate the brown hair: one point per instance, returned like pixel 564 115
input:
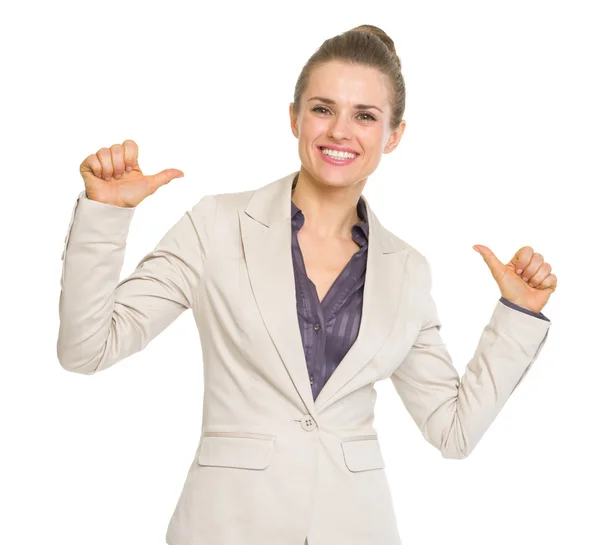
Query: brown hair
pixel 366 45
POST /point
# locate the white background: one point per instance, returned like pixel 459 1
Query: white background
pixel 500 149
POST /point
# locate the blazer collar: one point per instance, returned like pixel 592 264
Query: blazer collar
pixel 266 235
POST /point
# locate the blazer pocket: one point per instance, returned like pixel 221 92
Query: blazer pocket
pixel 233 449
pixel 362 453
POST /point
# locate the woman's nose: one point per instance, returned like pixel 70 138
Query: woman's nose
pixel 340 128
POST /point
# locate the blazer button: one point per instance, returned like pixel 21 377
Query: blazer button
pixel 316 327
pixel 307 423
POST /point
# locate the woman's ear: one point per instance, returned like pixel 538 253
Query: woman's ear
pixel 395 138
pixel 293 120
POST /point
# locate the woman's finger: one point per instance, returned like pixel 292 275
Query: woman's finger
pixel 92 163
pixel 130 154
pixel 104 157
pixel 549 282
pixel 116 153
pixel 540 275
pixel 534 264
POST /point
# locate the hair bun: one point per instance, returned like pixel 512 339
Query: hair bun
pixel 372 29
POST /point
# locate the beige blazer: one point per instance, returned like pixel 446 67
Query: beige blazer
pixel 272 466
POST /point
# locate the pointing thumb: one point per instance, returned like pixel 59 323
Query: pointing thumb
pixel 164 177
pixel 495 265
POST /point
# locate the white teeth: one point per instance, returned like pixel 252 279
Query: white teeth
pixel 338 154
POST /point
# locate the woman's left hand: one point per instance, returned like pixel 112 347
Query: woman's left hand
pixel 525 280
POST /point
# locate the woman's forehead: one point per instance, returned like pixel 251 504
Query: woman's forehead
pixel 345 83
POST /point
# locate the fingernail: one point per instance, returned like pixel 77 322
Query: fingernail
pixel 519 271
pixel 128 169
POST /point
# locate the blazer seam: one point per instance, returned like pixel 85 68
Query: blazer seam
pixel 201 286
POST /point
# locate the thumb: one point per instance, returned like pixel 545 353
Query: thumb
pixel 164 177
pixel 495 265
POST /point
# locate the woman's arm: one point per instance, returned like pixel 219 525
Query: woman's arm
pixel 102 320
pixel 454 413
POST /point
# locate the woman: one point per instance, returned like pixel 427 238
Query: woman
pixel 303 300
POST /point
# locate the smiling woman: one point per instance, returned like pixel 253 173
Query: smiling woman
pixel 303 301
pixel 348 105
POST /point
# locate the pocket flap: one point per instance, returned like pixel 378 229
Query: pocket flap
pixel 362 454
pixel 231 451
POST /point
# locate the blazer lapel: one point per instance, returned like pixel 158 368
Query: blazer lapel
pixel 266 236
pixel 384 280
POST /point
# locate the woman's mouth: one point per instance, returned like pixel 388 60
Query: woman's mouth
pixel 335 157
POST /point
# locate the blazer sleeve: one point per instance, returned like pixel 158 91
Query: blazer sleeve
pixel 451 412
pixel 104 320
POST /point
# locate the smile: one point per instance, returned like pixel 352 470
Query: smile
pixel 335 157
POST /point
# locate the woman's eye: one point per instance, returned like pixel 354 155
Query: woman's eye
pixel 372 118
pixel 320 109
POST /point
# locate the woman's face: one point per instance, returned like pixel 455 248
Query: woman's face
pixel 349 107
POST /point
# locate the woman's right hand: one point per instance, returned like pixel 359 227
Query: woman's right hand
pixel 113 176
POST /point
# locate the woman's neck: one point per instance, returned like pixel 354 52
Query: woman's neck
pixel 328 211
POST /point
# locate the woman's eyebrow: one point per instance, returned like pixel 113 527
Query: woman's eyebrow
pixel 332 102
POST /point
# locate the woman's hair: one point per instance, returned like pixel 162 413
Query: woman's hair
pixel 366 45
